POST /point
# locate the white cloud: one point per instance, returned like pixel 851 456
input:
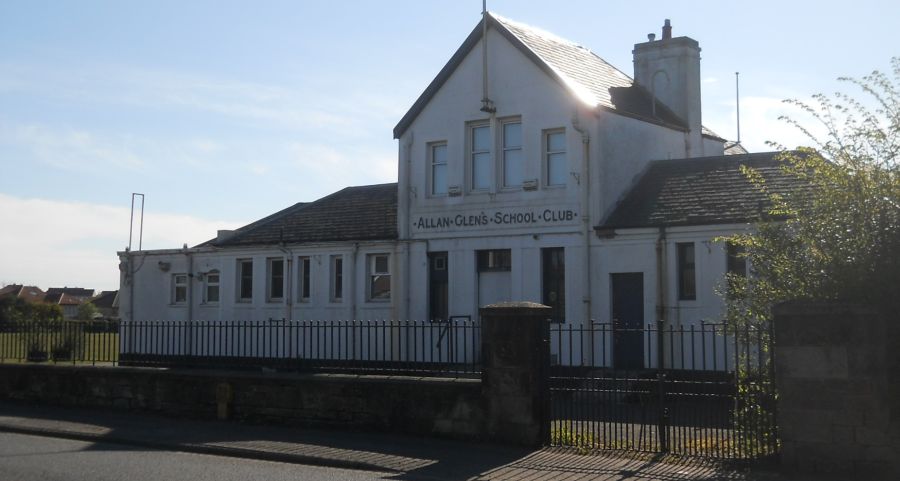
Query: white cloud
pixel 759 123
pixel 73 149
pixel 56 243
pixel 348 166
pixel 298 107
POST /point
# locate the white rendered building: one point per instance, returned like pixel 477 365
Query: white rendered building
pixel 529 169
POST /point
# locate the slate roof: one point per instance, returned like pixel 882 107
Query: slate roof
pixel 63 298
pixel 105 299
pixel 701 191
pixel 734 148
pixel 71 291
pixel 29 293
pixel 352 214
pixel 587 76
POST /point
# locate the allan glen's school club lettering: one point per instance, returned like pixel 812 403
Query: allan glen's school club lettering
pixel 500 218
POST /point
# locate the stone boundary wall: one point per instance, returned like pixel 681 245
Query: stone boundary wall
pixel 836 376
pixel 507 405
pixel 445 407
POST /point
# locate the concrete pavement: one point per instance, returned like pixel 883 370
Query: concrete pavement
pixel 399 457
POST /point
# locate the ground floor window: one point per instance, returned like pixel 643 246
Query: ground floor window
pixel 211 287
pixel 379 277
pixel 736 260
pixel 275 279
pixel 303 267
pixel 494 260
pixel 337 278
pixel 245 280
pixel 687 276
pixel 179 288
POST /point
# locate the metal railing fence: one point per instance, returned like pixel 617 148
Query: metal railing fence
pixel 703 389
pixel 445 349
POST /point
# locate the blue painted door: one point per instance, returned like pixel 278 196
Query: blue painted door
pixel 628 320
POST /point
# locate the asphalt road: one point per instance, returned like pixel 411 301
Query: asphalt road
pixel 32 458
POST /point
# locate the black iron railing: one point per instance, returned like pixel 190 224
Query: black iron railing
pixel 701 389
pixel 447 349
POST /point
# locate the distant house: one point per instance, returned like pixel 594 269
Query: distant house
pixel 79 293
pixel 68 303
pixel 107 303
pixel 19 291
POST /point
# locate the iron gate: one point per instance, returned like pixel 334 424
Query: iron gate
pixel 702 390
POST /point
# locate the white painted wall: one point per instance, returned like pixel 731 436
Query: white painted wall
pixel 153 287
pixel 619 150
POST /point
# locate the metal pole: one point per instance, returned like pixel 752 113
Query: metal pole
pixel 662 428
pixel 737 94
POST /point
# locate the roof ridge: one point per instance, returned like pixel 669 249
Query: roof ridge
pixel 544 33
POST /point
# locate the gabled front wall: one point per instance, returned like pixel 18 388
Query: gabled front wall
pixel 618 148
pixel 520 90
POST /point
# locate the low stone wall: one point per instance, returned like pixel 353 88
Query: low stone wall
pixel 444 407
pixel 836 377
pixel 508 405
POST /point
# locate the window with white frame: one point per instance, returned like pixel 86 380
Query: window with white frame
pixel 211 287
pixel 735 260
pixel 275 279
pixel 179 288
pixel 513 168
pixel 480 156
pixel 555 157
pixel 245 280
pixel 438 153
pixel 687 273
pixel 303 267
pixel 379 277
pixel 337 278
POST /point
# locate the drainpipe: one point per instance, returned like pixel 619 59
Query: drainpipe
pixel 190 285
pixel 585 181
pixel 661 286
pixel 403 223
pixel 353 281
pixel 288 288
pixel 661 275
pixel 130 273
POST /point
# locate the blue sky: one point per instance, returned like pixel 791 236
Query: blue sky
pixel 223 112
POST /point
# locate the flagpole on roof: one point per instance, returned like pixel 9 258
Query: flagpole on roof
pixel 737 101
pixel 486 104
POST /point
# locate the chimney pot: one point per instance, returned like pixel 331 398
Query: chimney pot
pixel 651 37
pixel 667 30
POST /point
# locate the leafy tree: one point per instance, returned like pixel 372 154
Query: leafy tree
pixel 86 311
pixel 839 239
pixel 41 311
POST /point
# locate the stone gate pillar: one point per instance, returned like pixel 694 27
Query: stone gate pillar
pixel 837 407
pixel 516 360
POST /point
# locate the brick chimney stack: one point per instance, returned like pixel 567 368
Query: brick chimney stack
pixel 669 69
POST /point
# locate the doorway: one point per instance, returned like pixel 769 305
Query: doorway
pixel 438 304
pixel 628 320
